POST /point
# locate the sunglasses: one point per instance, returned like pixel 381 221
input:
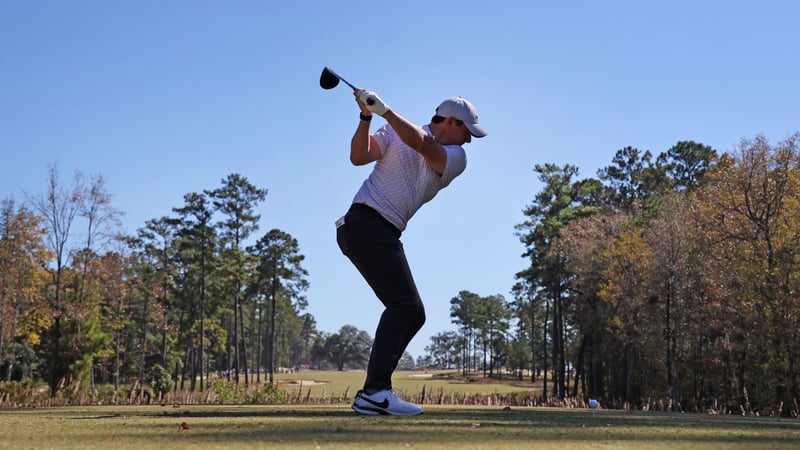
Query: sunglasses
pixel 440 119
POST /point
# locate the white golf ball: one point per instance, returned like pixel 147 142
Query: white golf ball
pixel 593 404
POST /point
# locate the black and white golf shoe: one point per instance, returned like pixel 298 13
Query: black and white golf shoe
pixel 385 403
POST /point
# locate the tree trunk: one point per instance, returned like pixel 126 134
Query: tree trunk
pixel 243 335
pixel 533 344
pixel 544 351
pixel 271 331
pixel 236 339
pixel 260 344
pixel 562 356
pixel 143 350
pixel 579 375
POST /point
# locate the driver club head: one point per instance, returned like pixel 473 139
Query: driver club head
pixel 328 79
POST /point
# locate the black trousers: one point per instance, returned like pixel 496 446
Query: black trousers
pixel 373 245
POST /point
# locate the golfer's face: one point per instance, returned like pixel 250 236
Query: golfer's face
pixel 455 133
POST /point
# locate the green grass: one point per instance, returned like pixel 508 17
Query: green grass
pixel 336 426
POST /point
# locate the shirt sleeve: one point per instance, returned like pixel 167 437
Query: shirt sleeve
pixel 384 137
pixel 456 163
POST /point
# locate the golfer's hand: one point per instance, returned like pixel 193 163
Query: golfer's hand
pixel 373 102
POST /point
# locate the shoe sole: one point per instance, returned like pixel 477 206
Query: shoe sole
pixel 370 411
pixel 366 411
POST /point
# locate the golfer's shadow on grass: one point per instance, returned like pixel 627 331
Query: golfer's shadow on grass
pixel 456 415
pixel 188 412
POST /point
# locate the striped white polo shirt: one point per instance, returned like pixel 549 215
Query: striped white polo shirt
pixel 402 181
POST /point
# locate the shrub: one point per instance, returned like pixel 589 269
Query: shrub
pixel 160 380
pixel 24 392
pixel 229 393
pixel 268 394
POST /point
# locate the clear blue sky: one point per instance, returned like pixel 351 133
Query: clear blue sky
pixel 163 98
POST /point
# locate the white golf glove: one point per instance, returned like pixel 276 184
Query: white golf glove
pixel 373 102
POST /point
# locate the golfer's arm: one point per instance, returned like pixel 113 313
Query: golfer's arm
pixel 415 137
pixel 363 147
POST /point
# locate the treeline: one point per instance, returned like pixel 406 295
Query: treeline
pixel 667 281
pixel 191 295
pixel 671 280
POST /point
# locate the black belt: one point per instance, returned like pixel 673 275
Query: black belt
pixel 370 210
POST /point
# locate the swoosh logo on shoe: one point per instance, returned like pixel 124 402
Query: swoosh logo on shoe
pixel 384 404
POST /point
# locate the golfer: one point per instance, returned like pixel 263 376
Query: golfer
pixel 412 164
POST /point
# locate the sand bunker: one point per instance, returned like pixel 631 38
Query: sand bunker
pixel 303 382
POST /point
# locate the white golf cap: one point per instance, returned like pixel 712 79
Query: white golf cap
pixel 462 110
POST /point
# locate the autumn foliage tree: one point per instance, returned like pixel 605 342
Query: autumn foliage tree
pixel 683 286
pixel 24 311
pixel 82 305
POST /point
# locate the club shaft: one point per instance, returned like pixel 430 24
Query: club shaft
pixel 346 82
pixel 369 101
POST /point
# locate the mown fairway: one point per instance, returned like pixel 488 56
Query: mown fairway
pixel 308 426
pixel 335 426
pixel 335 383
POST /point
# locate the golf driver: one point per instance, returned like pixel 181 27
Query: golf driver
pixel 330 79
